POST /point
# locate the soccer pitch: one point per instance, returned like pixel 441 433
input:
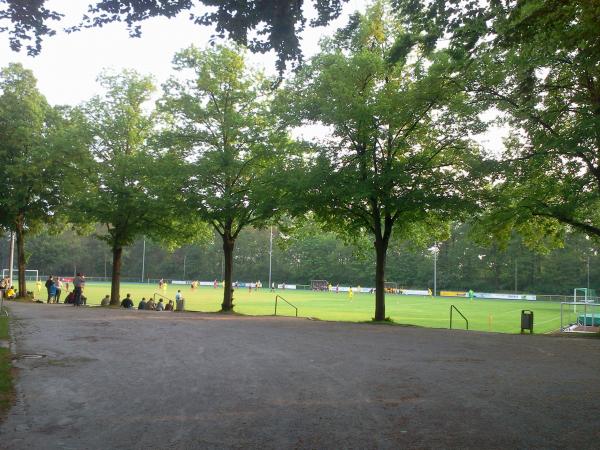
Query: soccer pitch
pixel 484 315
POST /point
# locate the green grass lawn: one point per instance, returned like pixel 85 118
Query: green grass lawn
pixel 484 315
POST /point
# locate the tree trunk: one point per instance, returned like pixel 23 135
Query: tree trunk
pixel 381 246
pixel 228 245
pixel 115 282
pixel 20 229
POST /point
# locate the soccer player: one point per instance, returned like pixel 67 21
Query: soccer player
pixel 350 293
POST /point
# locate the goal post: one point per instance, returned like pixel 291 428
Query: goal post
pixel 33 274
pixel 583 295
pixel 319 285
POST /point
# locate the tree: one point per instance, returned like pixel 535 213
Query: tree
pixel 537 63
pixel 39 151
pixel 276 24
pixel 398 158
pixel 127 190
pixel 221 124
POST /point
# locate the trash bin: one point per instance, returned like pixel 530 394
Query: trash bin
pixel 526 320
pixel 179 304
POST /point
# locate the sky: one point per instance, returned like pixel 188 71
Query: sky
pixel 68 64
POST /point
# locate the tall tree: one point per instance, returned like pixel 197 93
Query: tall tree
pixel 398 158
pixel 220 119
pixel 38 154
pixel 277 23
pixel 127 191
pixel 537 63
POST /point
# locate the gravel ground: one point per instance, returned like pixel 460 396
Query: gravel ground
pixel 113 379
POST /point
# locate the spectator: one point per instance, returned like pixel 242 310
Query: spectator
pixel 142 304
pixel 70 298
pixel 150 305
pixel 127 302
pixel 58 286
pixel 53 293
pixel 169 306
pixel 79 284
pixel 10 293
pixel 178 295
pixel 105 301
pixel 160 306
pixel 49 284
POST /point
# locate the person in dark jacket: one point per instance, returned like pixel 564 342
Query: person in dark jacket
pixel 127 303
pixel 49 287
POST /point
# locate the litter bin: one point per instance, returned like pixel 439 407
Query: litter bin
pixel 526 320
pixel 179 304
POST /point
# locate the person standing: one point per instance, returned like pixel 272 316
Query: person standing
pixel 58 286
pixel 78 285
pixel 49 284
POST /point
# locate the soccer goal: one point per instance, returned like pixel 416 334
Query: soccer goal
pixel 580 317
pixel 319 285
pixel 33 274
pixel 391 287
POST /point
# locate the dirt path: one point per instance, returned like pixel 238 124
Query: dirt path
pixel 146 380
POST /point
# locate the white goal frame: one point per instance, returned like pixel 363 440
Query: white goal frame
pixel 16 271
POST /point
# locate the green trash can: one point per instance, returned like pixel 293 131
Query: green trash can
pixel 527 320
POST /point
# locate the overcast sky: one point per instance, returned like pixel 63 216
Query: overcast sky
pixel 68 65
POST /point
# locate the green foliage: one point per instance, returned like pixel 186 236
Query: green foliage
pixel 399 159
pixel 535 62
pixel 276 23
pixel 40 153
pixel 219 124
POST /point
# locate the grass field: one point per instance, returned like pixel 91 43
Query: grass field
pixel 484 315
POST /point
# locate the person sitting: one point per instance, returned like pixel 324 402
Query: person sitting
pixel 142 304
pixel 127 303
pixel 150 305
pixel 169 306
pixel 70 299
pixel 10 293
pixel 160 306
pixel 105 301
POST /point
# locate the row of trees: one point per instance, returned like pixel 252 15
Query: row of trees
pixel 401 90
pixel 462 264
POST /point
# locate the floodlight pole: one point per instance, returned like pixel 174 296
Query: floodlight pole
pixel 184 259
pixel 516 274
pixel 144 259
pixel 435 250
pixel 270 255
pixel 588 273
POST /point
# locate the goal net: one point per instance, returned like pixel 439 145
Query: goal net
pixel 580 317
pixel 30 274
pixel 319 285
pixel 584 295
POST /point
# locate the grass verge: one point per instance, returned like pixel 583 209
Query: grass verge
pixel 6 388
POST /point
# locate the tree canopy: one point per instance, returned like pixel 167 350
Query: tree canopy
pixel 38 152
pixel 399 155
pixel 219 122
pixel 261 25
pixel 536 63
